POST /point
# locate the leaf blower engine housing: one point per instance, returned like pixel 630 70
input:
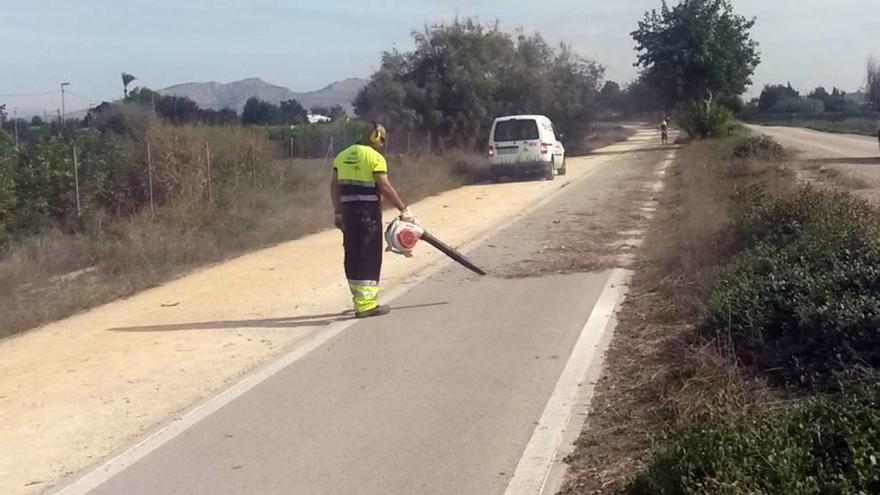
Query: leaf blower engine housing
pixel 402 236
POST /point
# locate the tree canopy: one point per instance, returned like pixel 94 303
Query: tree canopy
pixel 462 75
pixel 697 49
pixel 773 95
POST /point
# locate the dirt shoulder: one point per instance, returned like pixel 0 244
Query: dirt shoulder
pixel 79 389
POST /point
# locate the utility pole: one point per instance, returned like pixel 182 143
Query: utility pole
pixel 76 181
pixel 15 124
pixel 62 100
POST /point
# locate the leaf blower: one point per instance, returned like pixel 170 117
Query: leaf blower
pixel 402 236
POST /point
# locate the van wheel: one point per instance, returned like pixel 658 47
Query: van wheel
pixel 563 169
pixel 550 174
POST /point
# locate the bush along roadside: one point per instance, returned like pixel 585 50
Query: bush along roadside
pixel 794 316
pixel 802 302
pixel 821 445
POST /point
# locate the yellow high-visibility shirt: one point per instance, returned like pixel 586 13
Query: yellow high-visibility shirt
pixel 355 167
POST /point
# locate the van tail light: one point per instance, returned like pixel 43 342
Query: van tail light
pixel 545 147
pixel 491 151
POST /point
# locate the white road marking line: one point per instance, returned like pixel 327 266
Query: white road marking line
pixel 531 472
pixel 542 452
pixel 118 463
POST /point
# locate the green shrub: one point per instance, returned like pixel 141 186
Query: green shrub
pixel 761 147
pixel 825 445
pixel 803 300
pixel 701 122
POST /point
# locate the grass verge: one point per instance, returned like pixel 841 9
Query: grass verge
pixel 744 362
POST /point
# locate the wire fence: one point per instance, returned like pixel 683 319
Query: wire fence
pixel 161 170
pixel 408 143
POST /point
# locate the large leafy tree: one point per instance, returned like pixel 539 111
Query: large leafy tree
pixel 259 112
pixel 292 112
pixel 773 95
pixel 462 75
pixel 696 50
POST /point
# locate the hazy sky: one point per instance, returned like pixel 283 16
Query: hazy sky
pixel 305 45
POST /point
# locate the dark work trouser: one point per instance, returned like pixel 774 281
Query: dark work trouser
pixel 362 239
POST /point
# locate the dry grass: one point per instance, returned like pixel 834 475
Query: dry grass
pixel 54 275
pixel 842 180
pixel 656 371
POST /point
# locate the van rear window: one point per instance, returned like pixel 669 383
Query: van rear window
pixel 516 130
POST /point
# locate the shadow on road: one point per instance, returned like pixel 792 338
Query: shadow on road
pixel 288 322
pixel 861 160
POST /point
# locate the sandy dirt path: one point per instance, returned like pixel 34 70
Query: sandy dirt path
pixel 74 391
pixel 844 161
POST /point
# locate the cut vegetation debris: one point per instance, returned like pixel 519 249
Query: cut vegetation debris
pixel 744 359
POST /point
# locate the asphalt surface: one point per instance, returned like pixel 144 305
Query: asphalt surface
pixel 441 396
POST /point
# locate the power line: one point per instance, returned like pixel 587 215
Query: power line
pixel 29 94
pixel 81 96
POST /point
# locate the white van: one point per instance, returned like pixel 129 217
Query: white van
pixel 525 144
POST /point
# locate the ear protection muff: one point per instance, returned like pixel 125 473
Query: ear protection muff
pixel 377 133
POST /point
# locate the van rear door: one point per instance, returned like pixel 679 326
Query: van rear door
pixel 516 140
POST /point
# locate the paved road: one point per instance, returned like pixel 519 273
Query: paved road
pixel 441 396
pixel 846 148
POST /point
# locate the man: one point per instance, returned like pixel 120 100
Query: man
pixel 664 131
pixel 360 183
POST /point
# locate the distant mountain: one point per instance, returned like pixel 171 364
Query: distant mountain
pixel 234 95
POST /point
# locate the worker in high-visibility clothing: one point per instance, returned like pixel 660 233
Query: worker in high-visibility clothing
pixel 360 184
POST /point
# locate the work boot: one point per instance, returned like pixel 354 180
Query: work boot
pixel 377 311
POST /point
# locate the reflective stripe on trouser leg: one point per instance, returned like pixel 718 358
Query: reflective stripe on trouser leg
pixel 365 297
pixel 362 237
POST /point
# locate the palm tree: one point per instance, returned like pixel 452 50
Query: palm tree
pixel 126 80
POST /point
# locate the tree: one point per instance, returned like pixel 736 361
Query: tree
pixel 291 112
pixel 611 97
pixel 696 50
pixel 462 75
pixel 178 109
pixel 259 112
pixel 820 93
pixel 734 103
pixel 3 113
pixel 126 80
pixel 641 97
pixel 771 96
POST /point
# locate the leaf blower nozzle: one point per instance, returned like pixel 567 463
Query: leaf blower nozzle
pixel 402 236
